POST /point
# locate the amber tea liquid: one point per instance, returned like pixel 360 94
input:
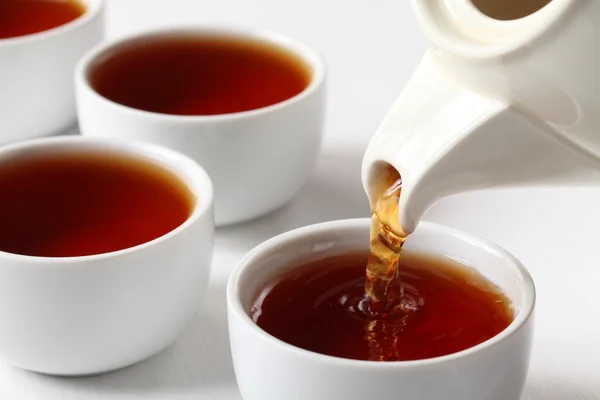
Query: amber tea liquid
pixel 65 205
pixel 26 17
pixel 199 75
pixel 321 306
pixel 406 307
pixel 383 284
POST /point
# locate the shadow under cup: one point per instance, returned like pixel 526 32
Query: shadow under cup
pixel 81 315
pixel 269 369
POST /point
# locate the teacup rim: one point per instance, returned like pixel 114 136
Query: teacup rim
pixel 235 305
pixel 91 13
pixel 305 51
pixel 149 151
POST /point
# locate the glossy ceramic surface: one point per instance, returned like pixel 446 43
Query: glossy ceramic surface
pixel 85 315
pixel 36 76
pixel 269 369
pixel 258 160
pixel 487 96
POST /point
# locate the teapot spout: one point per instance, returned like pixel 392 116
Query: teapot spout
pixel 444 139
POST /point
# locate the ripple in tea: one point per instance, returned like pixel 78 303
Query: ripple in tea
pixel 199 75
pixel 25 17
pixel 322 306
pixel 64 205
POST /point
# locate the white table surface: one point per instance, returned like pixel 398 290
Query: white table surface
pixel 372 48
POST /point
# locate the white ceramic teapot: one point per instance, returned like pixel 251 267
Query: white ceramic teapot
pixel 495 102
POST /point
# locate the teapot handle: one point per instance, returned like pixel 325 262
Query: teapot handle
pixel 444 138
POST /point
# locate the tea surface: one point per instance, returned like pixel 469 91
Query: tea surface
pixel 199 76
pixel 75 205
pixel 25 17
pixel 322 306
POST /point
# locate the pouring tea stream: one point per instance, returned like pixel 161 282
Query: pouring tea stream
pixel 494 103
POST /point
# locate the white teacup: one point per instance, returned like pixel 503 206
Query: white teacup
pixel 37 96
pixel 269 369
pixel 91 314
pixel 258 160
